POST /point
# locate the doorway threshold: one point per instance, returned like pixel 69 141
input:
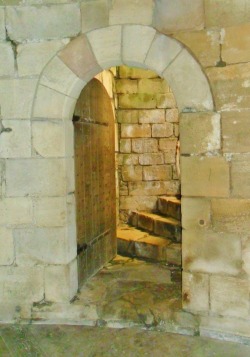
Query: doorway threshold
pixel 127 292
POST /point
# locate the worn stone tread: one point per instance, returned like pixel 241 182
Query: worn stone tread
pixel 169 206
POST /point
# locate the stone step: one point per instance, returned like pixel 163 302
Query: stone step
pixel 136 243
pixel 169 206
pixel 166 227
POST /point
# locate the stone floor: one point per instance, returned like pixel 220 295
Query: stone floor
pixel 74 341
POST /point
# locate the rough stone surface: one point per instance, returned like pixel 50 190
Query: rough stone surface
pixel 230 86
pixel 154 188
pixel 229 296
pixel 195 292
pixel 21 92
pixel 195 213
pixel 226 13
pixel 188 83
pixel 205 45
pixel 157 172
pixel 106 45
pixel 16 211
pixel 50 211
pixel 178 15
pixel 65 288
pixel 7 250
pixel 205 176
pixel 21 284
pixel 144 145
pixel 16 143
pixel 236 43
pixel 2 24
pixel 240 175
pixel 132 12
pixel 43 22
pixel 135 131
pixel 231 215
pixel 209 252
pixel 19 172
pixel 200 132
pixel 95 14
pixel 234 128
pixel 132 173
pixel 6 60
pixel 32 57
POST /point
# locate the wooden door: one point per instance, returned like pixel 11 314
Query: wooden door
pixel 95 179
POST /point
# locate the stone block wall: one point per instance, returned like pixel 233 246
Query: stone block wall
pixel 48 53
pixel 148 127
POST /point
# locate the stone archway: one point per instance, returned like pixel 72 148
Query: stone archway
pixel 59 86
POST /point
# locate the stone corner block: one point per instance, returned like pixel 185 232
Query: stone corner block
pixel 61 282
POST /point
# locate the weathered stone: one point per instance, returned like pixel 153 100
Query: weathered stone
pixel 42 246
pixel 229 296
pixel 135 73
pixel 79 57
pixel 168 146
pixel 176 130
pixel 2 177
pixel 195 291
pixel 196 213
pixel 200 132
pixel 95 14
pixel 230 86
pixel 126 86
pixel 236 43
pixel 132 173
pixel 172 115
pixel 58 106
pixel 167 227
pixel 7 247
pixel 125 145
pixel 43 22
pixel 189 84
pixel 151 247
pixel 32 57
pixel 135 131
pixel 231 215
pixel 155 116
pixel 178 15
pixel 16 97
pixel 162 130
pixel 145 221
pixel 154 188
pixel 2 24
pixel 6 60
pixel 106 45
pixel 205 45
pixel 50 211
pixel 144 145
pixel 127 116
pixel 169 207
pixel 137 101
pixel 234 131
pixel 240 175
pixel 157 172
pixel 58 76
pixel 205 176
pixel 246 255
pixel 153 85
pixel 48 138
pixel 61 282
pixel 16 143
pixel 22 284
pixel 210 252
pixel 226 13
pixel 134 55
pixel 151 159
pixel 174 254
pixel 128 159
pixel 166 100
pixel 16 211
pixel 144 203
pixel 132 12
pixel 163 50
pixel 46 177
